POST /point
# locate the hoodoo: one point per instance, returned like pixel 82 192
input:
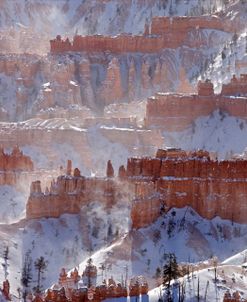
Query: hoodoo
pixel 174 178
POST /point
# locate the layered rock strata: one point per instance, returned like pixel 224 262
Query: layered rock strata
pixel 15 161
pixel 109 69
pixel 179 179
pixel 164 31
pixel 174 178
pixel 70 192
pixel 14 167
pixel 175 112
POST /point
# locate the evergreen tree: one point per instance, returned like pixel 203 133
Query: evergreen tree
pixel 170 272
pixel 40 265
pixel 26 275
pixel 109 232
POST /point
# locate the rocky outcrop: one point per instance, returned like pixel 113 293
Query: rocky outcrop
pixel 179 179
pixel 14 167
pixel 175 112
pixel 235 297
pixel 164 31
pixel 109 169
pixel 237 86
pixel 112 88
pixel 110 70
pixel 174 178
pixel 15 161
pixel 69 193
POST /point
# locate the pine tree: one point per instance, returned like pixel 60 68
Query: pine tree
pixel 26 275
pixel 170 272
pixel 109 232
pixel 40 265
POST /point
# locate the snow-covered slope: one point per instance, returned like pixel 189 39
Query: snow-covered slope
pixel 218 132
pixel 183 232
pixel 232 59
pixel 71 239
pixel 229 278
pixel 95 16
pixel 13 204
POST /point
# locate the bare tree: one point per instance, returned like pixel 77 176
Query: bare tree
pixel 198 289
pixel 215 265
pixel 5 264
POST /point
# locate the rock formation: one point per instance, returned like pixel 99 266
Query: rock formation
pixel 109 170
pixel 235 297
pixel 69 193
pixel 15 161
pixel 108 69
pixel 164 30
pixel 175 112
pixel 236 87
pixel 174 178
pixel 6 290
pixel 71 285
pixel 112 87
pixel 179 179
pixel 14 167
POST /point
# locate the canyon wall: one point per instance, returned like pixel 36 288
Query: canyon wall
pixel 14 167
pixel 18 170
pixel 165 32
pixel 175 112
pixel 212 188
pixel 108 69
pixel 174 178
pixel 70 192
pixel 15 161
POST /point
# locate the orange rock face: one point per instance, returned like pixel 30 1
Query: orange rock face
pixel 13 165
pixel 16 161
pixel 164 31
pixel 112 88
pixel 210 187
pixel 175 112
pixel 174 178
pixel 68 195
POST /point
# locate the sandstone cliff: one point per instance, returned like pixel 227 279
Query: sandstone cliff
pixel 164 30
pixel 15 161
pixel 179 179
pixel 174 178
pixel 109 69
pixel 175 112
pixel 69 193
